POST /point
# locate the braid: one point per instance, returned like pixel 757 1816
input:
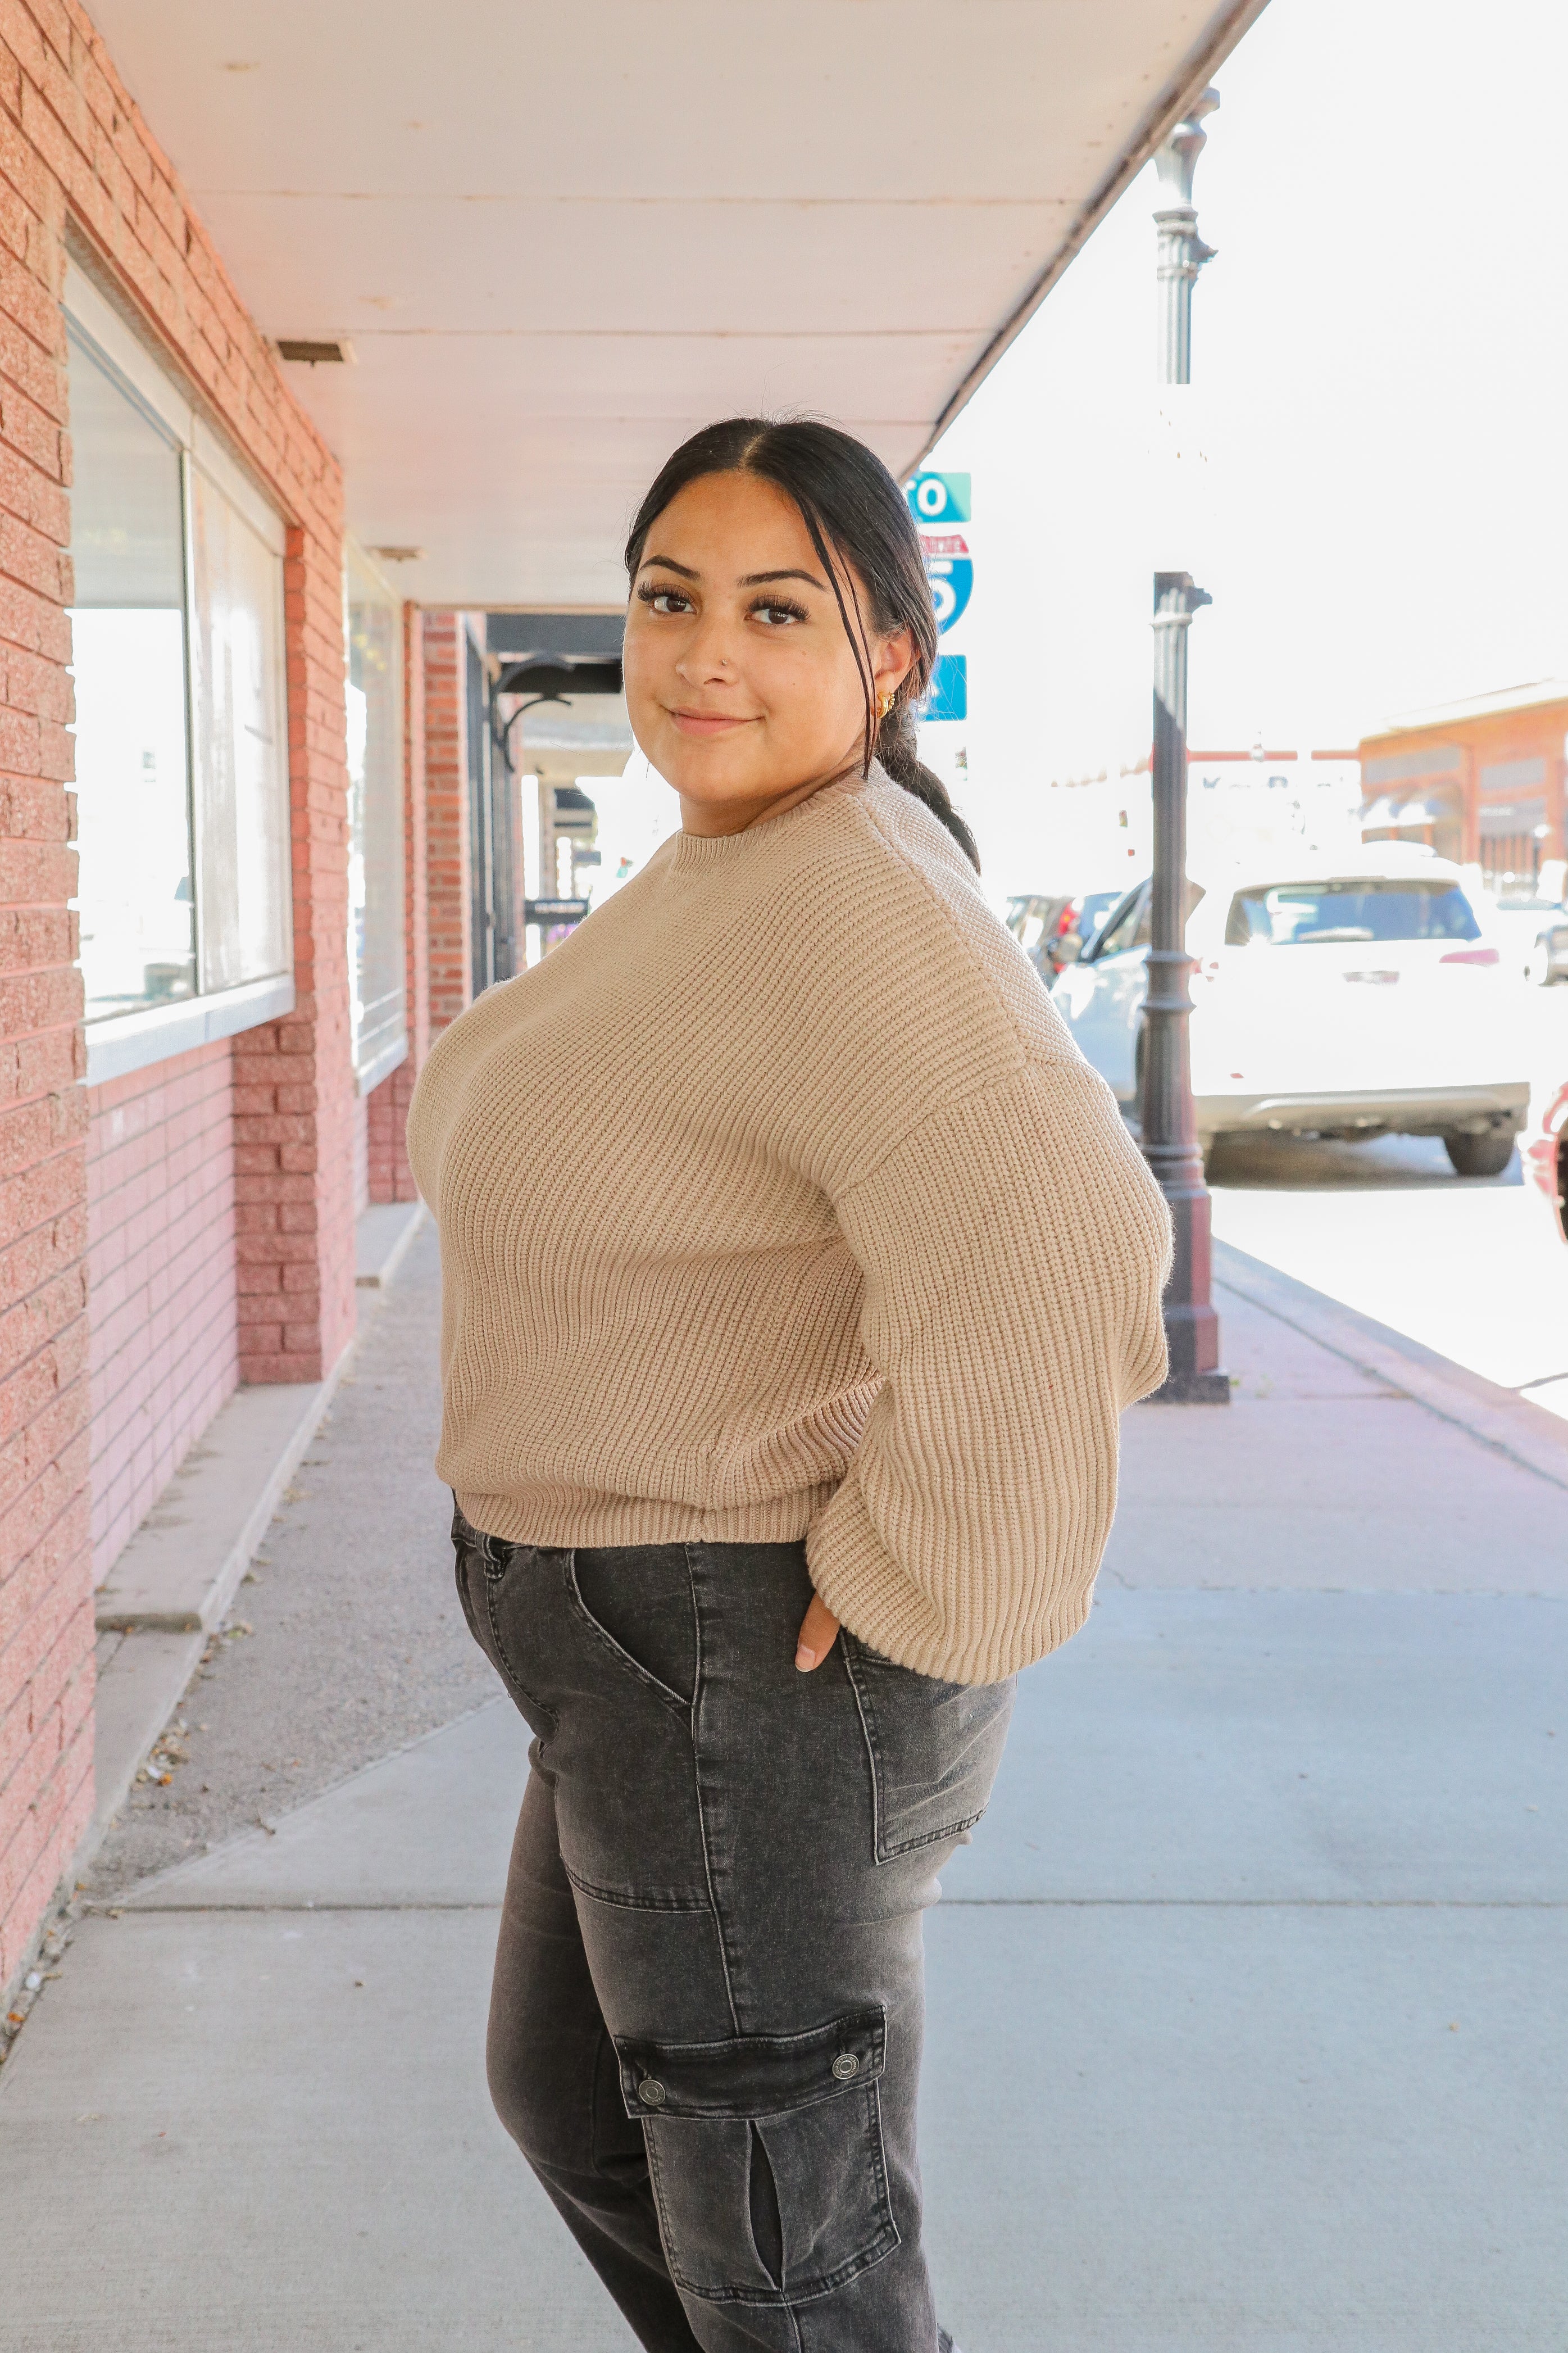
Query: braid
pixel 895 749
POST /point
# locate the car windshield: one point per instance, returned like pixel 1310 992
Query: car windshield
pixel 1097 905
pixel 1359 907
pixel 1132 927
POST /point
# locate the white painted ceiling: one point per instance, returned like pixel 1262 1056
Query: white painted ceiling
pixel 560 238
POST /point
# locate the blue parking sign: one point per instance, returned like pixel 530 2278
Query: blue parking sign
pixel 951 581
pixel 948 695
pixel 938 497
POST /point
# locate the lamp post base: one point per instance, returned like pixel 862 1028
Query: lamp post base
pixel 1194 1375
pixel 1192 1388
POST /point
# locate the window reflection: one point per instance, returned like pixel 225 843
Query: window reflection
pixel 128 633
pixel 236 643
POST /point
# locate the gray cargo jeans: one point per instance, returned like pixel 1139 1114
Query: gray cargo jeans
pixel 705 2021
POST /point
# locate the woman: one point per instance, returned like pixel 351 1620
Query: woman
pixel 796 1269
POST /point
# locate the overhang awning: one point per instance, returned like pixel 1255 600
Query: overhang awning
pixel 559 240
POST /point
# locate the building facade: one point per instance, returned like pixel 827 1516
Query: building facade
pixel 1480 782
pixel 264 827
pixel 236 794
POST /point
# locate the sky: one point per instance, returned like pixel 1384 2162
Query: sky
pixel 1380 366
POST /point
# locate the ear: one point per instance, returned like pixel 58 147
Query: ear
pixel 895 657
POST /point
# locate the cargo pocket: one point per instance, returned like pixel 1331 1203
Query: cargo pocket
pixel 933 1748
pixel 765 2153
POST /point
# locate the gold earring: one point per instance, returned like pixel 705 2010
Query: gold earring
pixel 884 704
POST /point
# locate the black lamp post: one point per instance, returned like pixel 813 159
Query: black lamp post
pixel 1169 1131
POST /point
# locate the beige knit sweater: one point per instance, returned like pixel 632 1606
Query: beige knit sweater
pixel 777 1202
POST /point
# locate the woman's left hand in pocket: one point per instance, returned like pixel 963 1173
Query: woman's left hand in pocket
pixel 819 1634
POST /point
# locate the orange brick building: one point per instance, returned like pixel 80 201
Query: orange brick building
pixel 1481 782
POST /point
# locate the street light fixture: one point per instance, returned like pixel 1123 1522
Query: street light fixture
pixel 1169 1131
pixel 1181 251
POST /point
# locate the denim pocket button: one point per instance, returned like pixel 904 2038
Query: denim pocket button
pixel 650 2091
pixel 845 2067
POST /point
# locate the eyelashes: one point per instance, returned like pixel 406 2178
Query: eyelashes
pixel 652 593
pixel 659 596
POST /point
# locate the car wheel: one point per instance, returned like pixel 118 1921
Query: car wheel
pixel 1478 1155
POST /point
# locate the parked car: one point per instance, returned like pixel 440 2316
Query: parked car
pixel 1531 936
pixel 1055 930
pixel 1350 999
pixel 1031 918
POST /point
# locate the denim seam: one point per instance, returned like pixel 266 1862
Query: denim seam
pixel 781 2043
pixel 867 1726
pixel 697 1786
pixel 493 1589
pixel 603 2045
pixel 668 1901
pixel 602 1635
pixel 931 1837
pixel 885 1848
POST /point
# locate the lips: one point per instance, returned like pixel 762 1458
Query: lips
pixel 706 723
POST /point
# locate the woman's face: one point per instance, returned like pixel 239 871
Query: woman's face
pixel 740 678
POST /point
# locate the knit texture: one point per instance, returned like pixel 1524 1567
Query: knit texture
pixel 778 1202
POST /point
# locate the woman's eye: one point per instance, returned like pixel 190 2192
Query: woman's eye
pixel 777 615
pixel 667 600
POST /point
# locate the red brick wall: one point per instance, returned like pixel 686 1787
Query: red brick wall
pixel 294 1096
pixel 75 150
pixel 391 1179
pixel 446 818
pixel 164 1348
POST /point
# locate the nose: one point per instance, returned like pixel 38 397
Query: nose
pixel 708 656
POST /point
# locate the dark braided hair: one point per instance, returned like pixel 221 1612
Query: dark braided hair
pixel 854 510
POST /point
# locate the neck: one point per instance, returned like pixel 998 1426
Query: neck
pixel 711 819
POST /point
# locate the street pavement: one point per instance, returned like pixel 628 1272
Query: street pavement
pixel 1248 2003
pixel 346 1639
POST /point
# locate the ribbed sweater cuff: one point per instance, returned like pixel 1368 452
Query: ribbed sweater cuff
pixel 863 1586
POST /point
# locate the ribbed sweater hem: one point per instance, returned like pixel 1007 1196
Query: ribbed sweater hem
pixel 546 1517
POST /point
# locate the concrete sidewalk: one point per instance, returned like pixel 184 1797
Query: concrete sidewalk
pixel 1247 2005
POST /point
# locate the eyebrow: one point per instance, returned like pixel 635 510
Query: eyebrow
pixel 757 579
pixel 747 580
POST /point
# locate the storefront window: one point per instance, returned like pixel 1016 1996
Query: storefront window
pixel 180 731
pixel 376 824
pixel 242 762
pixel 132 783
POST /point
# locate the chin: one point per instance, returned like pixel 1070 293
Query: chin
pixel 706 773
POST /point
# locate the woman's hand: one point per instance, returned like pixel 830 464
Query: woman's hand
pixel 819 1634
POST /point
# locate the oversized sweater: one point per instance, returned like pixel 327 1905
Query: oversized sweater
pixel 777 1202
